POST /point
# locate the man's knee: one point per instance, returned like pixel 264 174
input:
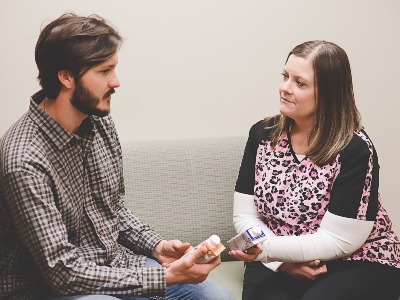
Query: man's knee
pixel 207 290
pixel 211 290
pixel 85 297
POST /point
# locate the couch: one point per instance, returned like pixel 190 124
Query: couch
pixel 184 190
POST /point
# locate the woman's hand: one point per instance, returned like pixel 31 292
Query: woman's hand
pixel 308 270
pixel 247 255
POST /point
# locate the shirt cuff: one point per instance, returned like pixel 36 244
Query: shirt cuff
pixel 154 281
pixel 273 266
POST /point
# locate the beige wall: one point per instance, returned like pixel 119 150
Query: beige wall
pixel 211 67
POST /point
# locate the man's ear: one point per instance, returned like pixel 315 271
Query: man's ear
pixel 66 78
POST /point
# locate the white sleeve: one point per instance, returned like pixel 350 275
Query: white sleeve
pixel 337 237
pixel 245 215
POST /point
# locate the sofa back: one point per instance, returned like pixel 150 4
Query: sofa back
pixel 184 188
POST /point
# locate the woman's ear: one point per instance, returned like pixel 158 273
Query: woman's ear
pixel 66 78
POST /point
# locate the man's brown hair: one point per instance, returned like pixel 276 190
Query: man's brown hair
pixel 75 44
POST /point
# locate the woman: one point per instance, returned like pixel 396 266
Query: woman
pixel 309 177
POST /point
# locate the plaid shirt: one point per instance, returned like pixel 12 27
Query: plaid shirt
pixel 62 219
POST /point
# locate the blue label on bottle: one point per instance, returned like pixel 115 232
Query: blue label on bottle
pixel 253 238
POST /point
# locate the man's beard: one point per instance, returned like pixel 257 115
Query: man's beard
pixel 86 102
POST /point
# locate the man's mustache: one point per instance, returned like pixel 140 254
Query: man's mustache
pixel 109 93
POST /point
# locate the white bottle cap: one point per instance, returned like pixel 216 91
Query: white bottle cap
pixel 214 240
pixel 256 230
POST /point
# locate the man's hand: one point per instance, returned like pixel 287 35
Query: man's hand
pixel 307 270
pixel 185 269
pixel 169 251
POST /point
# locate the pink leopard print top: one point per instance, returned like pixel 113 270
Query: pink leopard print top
pixel 293 196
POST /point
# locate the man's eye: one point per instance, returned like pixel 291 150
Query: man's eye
pixel 104 71
pixel 285 75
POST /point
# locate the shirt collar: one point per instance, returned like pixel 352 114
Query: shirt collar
pixel 52 129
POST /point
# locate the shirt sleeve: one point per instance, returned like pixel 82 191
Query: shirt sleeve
pixel 246 176
pixel 355 190
pixel 337 237
pixel 40 227
pixel 134 234
pixel 245 215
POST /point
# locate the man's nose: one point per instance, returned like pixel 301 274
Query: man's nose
pixel 114 82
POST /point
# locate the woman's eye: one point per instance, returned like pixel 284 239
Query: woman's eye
pixel 285 75
pixel 300 83
pixel 104 71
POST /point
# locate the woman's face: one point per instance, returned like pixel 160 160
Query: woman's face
pixel 298 92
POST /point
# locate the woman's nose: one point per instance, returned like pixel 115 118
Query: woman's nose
pixel 286 87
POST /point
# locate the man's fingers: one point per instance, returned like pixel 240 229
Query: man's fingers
pixel 196 254
pixel 179 246
pixel 185 246
pixel 175 247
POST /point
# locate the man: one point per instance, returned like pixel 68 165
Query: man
pixel 64 228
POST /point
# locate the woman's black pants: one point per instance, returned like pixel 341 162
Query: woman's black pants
pixel 345 280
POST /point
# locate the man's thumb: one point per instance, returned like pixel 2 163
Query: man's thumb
pixel 197 253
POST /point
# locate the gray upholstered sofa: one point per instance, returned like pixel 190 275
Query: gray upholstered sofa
pixel 184 190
